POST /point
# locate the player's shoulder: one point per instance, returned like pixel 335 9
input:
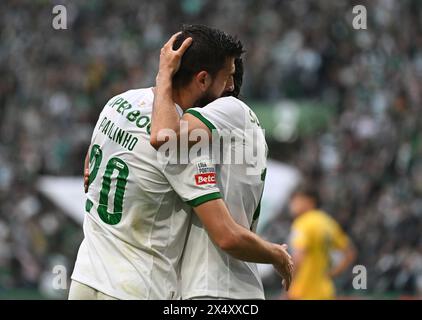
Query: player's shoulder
pixel 230 102
pixel 308 219
pixel 229 108
pixel 142 97
pixel 300 222
pixel 322 219
pixel 325 217
pixel 133 94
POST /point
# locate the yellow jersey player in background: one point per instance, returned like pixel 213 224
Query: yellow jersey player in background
pixel 314 236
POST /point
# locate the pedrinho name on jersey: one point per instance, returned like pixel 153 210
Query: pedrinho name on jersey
pixel 116 134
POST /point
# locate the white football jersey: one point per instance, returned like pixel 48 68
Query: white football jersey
pixel 207 270
pixel 138 210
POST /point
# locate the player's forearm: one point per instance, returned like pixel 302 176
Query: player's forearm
pixel 164 113
pixel 340 268
pixel 233 238
pixel 247 246
pixel 348 258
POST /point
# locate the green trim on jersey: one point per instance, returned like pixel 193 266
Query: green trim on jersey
pixel 258 208
pixel 202 118
pixel 88 205
pixel 205 198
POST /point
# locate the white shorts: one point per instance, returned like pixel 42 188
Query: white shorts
pixel 80 291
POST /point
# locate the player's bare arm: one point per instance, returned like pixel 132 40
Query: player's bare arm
pixel 241 243
pixel 164 109
pixel 349 255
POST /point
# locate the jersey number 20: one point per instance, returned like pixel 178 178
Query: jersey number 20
pixel 114 163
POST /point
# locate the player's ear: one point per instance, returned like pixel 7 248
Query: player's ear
pixel 203 79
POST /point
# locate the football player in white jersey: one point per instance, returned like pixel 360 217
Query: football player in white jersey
pixel 138 208
pixel 208 272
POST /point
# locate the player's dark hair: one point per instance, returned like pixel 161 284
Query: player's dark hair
pixel 309 192
pixel 237 79
pixel 208 52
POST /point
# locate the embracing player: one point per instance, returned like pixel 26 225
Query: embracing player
pixel 207 271
pixel 138 209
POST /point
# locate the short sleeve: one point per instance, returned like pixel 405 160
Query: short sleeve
pixel 339 239
pixel 299 239
pixel 195 182
pixel 225 113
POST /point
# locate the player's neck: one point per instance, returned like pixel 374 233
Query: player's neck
pixel 183 98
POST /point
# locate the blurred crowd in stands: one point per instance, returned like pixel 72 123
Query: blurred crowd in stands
pixel 367 163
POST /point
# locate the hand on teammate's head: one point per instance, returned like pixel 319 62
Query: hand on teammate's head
pixel 171 58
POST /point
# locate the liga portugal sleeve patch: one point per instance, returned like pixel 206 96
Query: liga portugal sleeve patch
pixel 205 178
pixel 205 173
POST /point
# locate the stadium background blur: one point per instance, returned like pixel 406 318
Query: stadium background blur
pixel 343 106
